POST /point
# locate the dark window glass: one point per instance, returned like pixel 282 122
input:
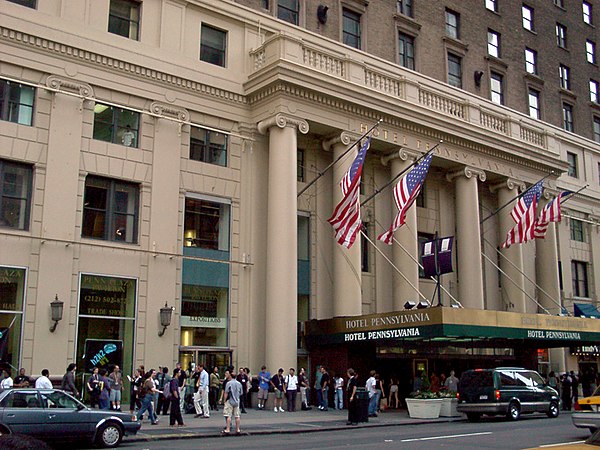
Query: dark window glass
pixel 206 224
pixel 110 210
pixel 406 51
pixel 579 278
pixel 16 102
pixel 561 35
pixel 364 248
pixel 15 195
pixel 576 228
pixel 405 7
pixel 597 129
pixel 453 24
pixel 564 74
pixel 351 31
pixel 116 125
pixel 572 161
pixel 568 117
pixel 28 3
pixel 497 88
pixel 300 169
pixel 124 18
pixel 454 70
pixel 288 10
pixel 213 45
pixel 208 146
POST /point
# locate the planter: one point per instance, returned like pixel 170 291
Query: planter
pixel 449 407
pixel 424 408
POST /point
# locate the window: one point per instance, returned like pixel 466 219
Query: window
pixel 493 43
pixel 527 13
pixel 212 45
pixel 351 28
pixel 124 18
pixel 405 7
pixel 531 61
pixel 568 117
pixel 422 238
pixel 454 70
pixel 579 277
pixel 28 3
pixel 116 125
pixel 594 91
pixel 587 13
pixel 288 10
pixel 565 78
pixel 208 146
pixel 572 162
pixel 576 227
pixel 597 129
pixel 420 200
pixel 561 35
pixel 590 52
pixel 15 195
pixel 492 5
pixel 406 51
pixel 452 24
pixel 496 88
pixel 265 4
pixel 364 248
pixel 16 102
pixel 110 210
pixel 206 224
pixel 300 164
pixel 534 104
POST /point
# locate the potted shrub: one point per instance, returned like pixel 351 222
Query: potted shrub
pixel 424 405
pixel 449 402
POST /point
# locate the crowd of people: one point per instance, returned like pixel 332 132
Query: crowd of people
pixel 568 384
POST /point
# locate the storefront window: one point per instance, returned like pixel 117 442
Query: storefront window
pixel 204 316
pixel 12 293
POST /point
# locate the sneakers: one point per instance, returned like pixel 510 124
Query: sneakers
pixel 281 409
pixel 275 409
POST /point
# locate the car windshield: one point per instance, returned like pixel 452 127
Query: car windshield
pixel 58 399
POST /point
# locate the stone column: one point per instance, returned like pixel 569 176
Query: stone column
pixel 406 251
pixel 468 237
pixel 511 260
pixel 347 295
pixel 546 266
pixel 282 241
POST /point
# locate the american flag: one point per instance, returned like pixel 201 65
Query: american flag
pixel 525 200
pixel 346 221
pixel 550 213
pixel 405 193
pixel 524 230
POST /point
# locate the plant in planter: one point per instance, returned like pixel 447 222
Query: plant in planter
pixel 424 404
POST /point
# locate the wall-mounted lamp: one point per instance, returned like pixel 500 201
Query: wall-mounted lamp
pixel 165 317
pixel 322 14
pixel 477 77
pixel 56 307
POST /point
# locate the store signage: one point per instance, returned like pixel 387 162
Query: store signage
pixel 382 334
pixel 203 322
pixel 586 350
pixel 558 335
pixel 102 353
pixel 102 303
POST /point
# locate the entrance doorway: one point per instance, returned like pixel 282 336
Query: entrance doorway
pixel 190 358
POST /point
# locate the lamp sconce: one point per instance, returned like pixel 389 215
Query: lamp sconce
pixel 165 317
pixel 322 14
pixel 56 307
pixel 477 77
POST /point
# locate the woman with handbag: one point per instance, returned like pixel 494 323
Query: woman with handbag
pixel 93 388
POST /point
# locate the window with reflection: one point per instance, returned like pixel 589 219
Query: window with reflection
pixel 206 224
pixel 208 146
pixel 16 102
pixel 124 18
pixel 12 301
pixel 15 194
pixel 116 125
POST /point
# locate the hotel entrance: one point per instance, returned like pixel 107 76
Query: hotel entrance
pixel 190 358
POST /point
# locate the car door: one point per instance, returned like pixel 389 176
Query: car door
pixel 541 396
pixel 66 418
pixel 23 413
pixel 528 393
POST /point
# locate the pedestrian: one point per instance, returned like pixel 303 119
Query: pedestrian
pixel 325 382
pixel 291 389
pixel 351 396
pixel 318 387
pixel 134 391
pixel 182 382
pixel 248 399
pixel 104 383
pixel 243 380
pixel 116 388
pixel 264 381
pixel 214 382
pixel 566 391
pixel 370 386
pixel 21 380
pixel 304 389
pixel 434 383
pixel 393 394
pixel 93 388
pixel 379 390
pixel 338 398
pixel 279 390
pixel 574 388
pixel 163 403
pixel 233 392
pixel 146 393
pixel 7 381
pixel 201 396
pixel 552 380
pixel 171 394
pixel 451 382
pixel 68 380
pixel 43 382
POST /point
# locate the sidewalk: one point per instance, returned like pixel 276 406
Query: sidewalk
pixel 268 422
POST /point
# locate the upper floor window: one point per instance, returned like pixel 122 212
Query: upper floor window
pixel 300 165
pixel 265 4
pixel 497 88
pixel 564 74
pixel 534 104
pixel 561 35
pixel 596 126
pixel 531 61
pixel 28 3
pixel 579 278
pixel 454 70
pixel 110 209
pixel 527 13
pixel 15 194
pixel 576 229
pixel 406 51
pixel 288 10
pixel 587 13
pixel 351 28
pixel 572 163
pixel 492 5
pixel 568 117
pixel 16 102
pixel 364 248
pixel 493 43
pixel 116 125
pixel 590 51
pixel 405 7
pixel 208 146
pixel 213 45
pixel 452 24
pixel 206 224
pixel 124 18
pixel 594 91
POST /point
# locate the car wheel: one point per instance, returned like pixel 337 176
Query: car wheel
pixel 109 435
pixel 473 417
pixel 553 410
pixel 3 431
pixel 514 411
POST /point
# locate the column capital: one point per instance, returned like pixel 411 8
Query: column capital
pixel 403 154
pixel 508 183
pixel 169 111
pixel 345 137
pixel 69 85
pixel 283 120
pixel 467 172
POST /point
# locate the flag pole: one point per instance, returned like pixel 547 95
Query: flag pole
pixel 320 174
pixel 517 197
pixel 377 191
pixel 573 194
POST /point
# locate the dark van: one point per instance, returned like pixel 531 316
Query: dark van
pixel 508 391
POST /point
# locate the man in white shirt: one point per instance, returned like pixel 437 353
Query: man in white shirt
pixel 291 390
pixel 201 396
pixel 7 381
pixel 370 385
pixel 128 137
pixel 44 382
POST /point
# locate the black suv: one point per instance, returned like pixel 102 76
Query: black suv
pixel 509 391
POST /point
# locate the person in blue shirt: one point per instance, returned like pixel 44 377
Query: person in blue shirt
pixel 264 380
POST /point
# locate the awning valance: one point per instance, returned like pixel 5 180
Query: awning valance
pixel 585 310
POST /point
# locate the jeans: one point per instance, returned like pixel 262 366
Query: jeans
pixel 147 406
pixel 325 396
pixel 338 402
pixel 373 404
pixel 319 396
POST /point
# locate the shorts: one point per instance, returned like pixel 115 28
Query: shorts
pixel 115 395
pixel 229 410
pixel 278 394
pixel 263 394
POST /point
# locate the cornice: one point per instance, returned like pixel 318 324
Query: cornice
pixel 118 65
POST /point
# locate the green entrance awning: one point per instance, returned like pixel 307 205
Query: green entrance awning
pixel 585 310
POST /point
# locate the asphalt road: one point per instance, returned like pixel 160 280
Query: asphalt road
pixel 493 433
